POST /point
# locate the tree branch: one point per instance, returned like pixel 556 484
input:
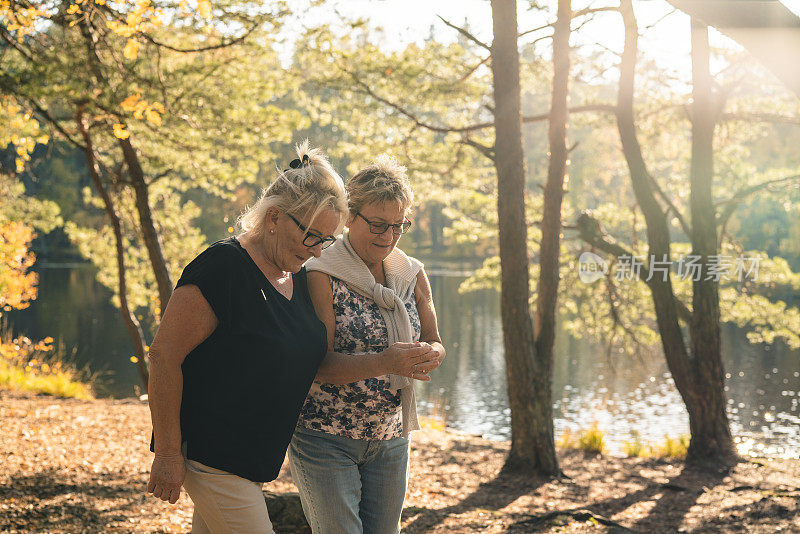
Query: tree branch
pixel 217 46
pixel 483 149
pixel 550 25
pixel 591 232
pixel 591 10
pixel 15 45
pixel 607 108
pixel 671 206
pixel 729 206
pixel 466 34
pixel 411 116
pixel 472 70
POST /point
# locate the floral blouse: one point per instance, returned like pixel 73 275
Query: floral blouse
pixel 367 409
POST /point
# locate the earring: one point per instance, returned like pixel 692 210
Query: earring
pixel 272 231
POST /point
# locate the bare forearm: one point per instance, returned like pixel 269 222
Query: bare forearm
pixel 165 389
pixel 338 368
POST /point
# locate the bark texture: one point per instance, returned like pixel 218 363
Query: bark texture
pixel 532 448
pixel 131 323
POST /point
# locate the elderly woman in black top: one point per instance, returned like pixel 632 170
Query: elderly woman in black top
pixel 239 346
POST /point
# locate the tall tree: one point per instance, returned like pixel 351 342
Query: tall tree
pixel 708 419
pixel 528 352
pixel 697 369
pixel 160 101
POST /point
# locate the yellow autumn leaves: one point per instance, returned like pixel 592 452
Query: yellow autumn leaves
pixel 17 283
pixel 19 19
pixel 128 19
pixel 19 128
pixel 141 109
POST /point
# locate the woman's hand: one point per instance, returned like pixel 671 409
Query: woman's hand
pixel 414 360
pixel 166 477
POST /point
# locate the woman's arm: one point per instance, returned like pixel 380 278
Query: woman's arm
pixel 429 326
pixel 413 360
pixel 187 321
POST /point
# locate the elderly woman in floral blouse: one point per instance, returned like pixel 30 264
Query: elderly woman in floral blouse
pixel 349 453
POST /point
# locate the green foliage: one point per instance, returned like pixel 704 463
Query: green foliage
pixel 204 119
pixel 369 101
pixel 43 215
pixel 180 240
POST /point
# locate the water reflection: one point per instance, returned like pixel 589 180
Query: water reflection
pixel 75 310
pixel 622 394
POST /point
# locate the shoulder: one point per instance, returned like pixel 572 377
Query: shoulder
pixel 318 282
pixel 220 256
pixel 223 251
pixel 423 287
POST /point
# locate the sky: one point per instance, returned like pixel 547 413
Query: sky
pixel 406 21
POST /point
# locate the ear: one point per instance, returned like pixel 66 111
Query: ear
pixel 271 218
pixel 351 217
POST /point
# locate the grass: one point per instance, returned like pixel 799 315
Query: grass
pixel 669 448
pixel 591 440
pixel 636 448
pixel 674 447
pixel 35 366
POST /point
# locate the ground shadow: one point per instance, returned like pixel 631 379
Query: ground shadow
pixel 679 495
pixel 51 500
pixel 493 495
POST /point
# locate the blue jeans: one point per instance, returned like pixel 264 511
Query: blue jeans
pixel 349 486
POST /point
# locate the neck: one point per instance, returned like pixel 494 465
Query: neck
pixel 260 247
pixel 375 267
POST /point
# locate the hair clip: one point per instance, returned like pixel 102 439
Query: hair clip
pixel 297 163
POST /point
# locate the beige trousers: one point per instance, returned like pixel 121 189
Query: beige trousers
pixel 225 503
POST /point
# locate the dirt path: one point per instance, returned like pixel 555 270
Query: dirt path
pixel 81 466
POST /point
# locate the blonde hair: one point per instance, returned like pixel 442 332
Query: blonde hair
pixel 310 188
pixel 384 180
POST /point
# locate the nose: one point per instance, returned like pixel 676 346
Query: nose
pixel 316 250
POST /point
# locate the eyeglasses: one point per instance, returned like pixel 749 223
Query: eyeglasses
pixel 381 227
pixel 311 239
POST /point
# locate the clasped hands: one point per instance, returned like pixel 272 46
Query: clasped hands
pixel 414 360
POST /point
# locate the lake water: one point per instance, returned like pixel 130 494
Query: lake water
pixel 622 394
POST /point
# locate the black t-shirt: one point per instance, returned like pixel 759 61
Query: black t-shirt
pixel 243 386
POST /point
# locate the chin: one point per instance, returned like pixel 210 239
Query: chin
pixel 295 266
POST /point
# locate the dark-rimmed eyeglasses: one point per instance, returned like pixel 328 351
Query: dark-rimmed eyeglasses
pixel 381 227
pixel 311 239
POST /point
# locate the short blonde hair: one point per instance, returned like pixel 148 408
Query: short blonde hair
pixel 384 180
pixel 309 188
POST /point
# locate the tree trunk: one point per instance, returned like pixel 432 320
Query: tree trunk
pixel 147 227
pixel 698 379
pixel 532 448
pixel 547 288
pixel 658 237
pixel 708 419
pixel 131 323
